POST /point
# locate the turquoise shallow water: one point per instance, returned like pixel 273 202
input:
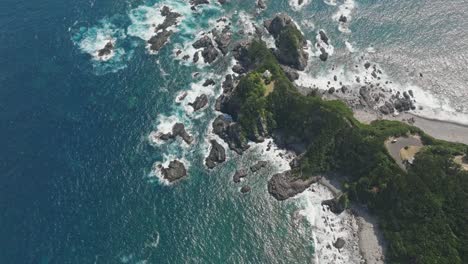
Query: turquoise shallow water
pixel 75 156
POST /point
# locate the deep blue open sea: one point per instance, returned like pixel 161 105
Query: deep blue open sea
pixel 75 161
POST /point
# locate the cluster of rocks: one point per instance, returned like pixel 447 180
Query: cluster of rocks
pixel 286 36
pixel 175 171
pixel 210 47
pixel 335 205
pixel 322 44
pixel 242 173
pixel 157 41
pixel 178 130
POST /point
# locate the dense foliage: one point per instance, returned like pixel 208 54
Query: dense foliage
pixel 423 212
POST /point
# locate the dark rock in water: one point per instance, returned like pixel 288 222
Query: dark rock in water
pixel 186 57
pixel 209 54
pixel 178 130
pixel 258 166
pixel 331 90
pixel 231 133
pixel 290 73
pixel 209 82
pixel 285 185
pixel 367 65
pixel 245 189
pixel 374 74
pixel 335 78
pixel 175 171
pixel 420 75
pixel 106 50
pixel 217 155
pixel 323 55
pixel 344 89
pixel 200 102
pixel 387 108
pixel 239 175
pixel 203 42
pixel 157 42
pixel 300 2
pixel 238 69
pixel 339 243
pixel 165 136
pixel 261 4
pixel 182 96
pixel 343 19
pixel 411 93
pixel 196 57
pixel 323 36
pixel 335 205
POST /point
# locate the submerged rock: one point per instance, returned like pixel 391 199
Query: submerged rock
pixel 217 155
pixel 238 175
pixel 175 171
pixel 209 82
pixel 245 189
pixel 285 185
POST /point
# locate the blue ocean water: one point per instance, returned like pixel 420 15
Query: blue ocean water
pixel 75 162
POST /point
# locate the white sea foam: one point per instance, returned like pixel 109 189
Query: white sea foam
pixel 330 2
pixel 350 47
pixel 279 158
pixel 345 9
pixel 321 44
pixel 328 227
pixel 296 6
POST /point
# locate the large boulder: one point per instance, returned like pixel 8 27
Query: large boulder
pixel 258 166
pixel 200 102
pixel 107 50
pixel 285 185
pixel 159 40
pixel 217 155
pixel 178 130
pixel 238 175
pixel 339 243
pixel 175 171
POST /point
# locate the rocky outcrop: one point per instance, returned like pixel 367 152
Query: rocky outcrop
pixel 175 171
pixel 217 155
pixel 289 41
pixel 209 82
pixel 231 133
pixel 261 4
pixel 178 130
pixel 157 42
pixel 222 39
pixel 200 102
pixel 238 175
pixel 209 52
pixel 285 185
pixel 195 3
pixel 258 166
pixel 107 50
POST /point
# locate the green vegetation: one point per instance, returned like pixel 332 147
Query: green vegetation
pixel 423 212
pixel 289 42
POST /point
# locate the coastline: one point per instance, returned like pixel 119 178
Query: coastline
pixel 371 242
pixel 444 130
